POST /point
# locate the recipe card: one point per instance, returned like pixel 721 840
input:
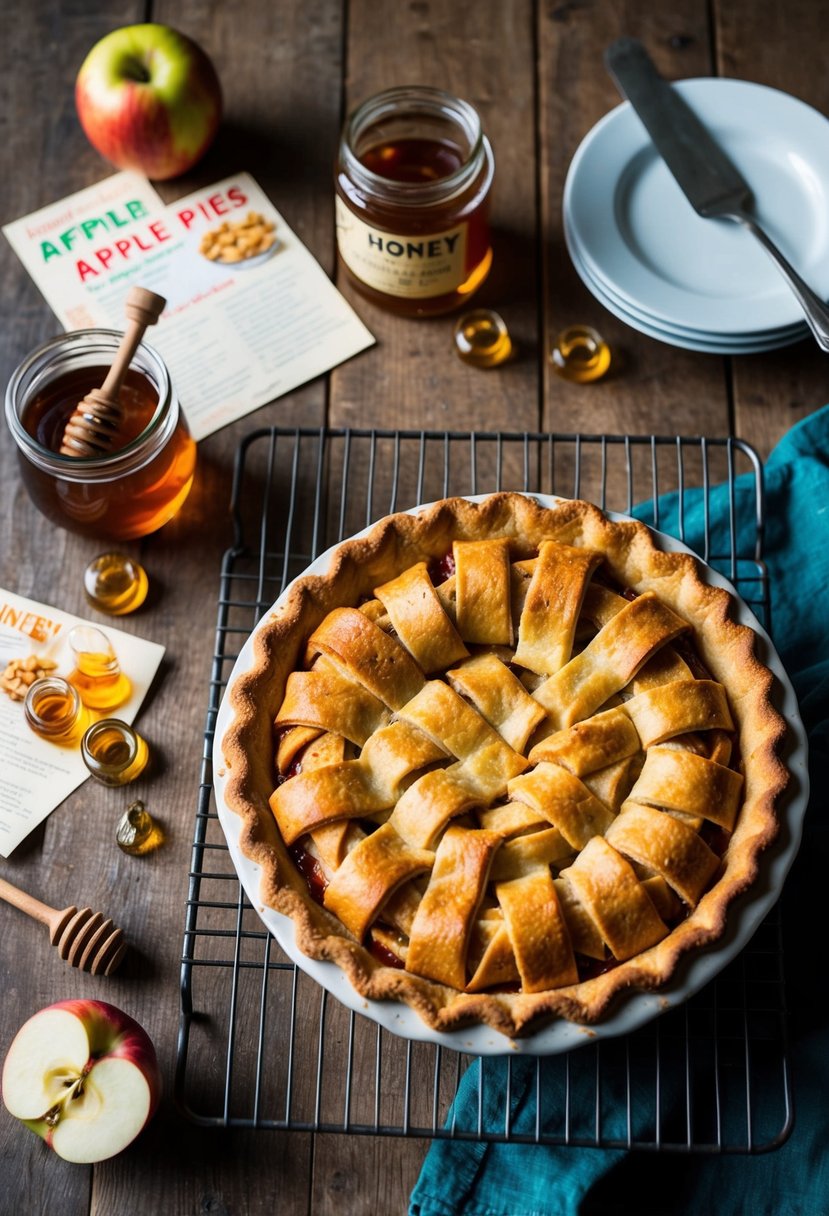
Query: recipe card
pixel 250 313
pixel 38 774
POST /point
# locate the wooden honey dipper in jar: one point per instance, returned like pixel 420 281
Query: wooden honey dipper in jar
pixel 93 428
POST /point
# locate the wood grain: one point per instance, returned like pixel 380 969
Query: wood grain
pixel 782 46
pixel 281 110
pixel 651 387
pixel 45 156
pixel 482 53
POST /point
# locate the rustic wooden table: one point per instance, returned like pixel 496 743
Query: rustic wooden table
pixel 289 72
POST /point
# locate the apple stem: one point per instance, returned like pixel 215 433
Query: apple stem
pixel 137 71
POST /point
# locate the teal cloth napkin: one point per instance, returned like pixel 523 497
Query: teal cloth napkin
pixel 473 1178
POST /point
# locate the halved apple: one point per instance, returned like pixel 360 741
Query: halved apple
pixel 84 1076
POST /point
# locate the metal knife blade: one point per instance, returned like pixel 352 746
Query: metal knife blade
pixel 709 180
pixel 707 177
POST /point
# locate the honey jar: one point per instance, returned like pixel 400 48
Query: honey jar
pixel 413 179
pixel 54 711
pixel 97 674
pixel 135 488
pixel 113 752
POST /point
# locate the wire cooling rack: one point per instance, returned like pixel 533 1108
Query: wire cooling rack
pixel 260 1044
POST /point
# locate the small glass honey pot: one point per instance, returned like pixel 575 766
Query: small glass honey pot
pixel 53 709
pixel 115 583
pixel 133 488
pixel 113 752
pixel 97 674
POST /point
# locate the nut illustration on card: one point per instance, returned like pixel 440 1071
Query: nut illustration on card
pixel 240 240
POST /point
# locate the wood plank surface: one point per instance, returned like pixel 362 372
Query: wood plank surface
pixel 482 53
pixel 282 116
pixel 650 385
pixel 71 858
pixel 412 377
pixel 784 47
pixel 290 73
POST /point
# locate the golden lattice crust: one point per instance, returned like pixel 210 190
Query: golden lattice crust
pixel 526 786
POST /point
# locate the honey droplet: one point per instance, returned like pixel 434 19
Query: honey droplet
pixel 482 338
pixel 137 832
pixel 116 584
pixel 580 354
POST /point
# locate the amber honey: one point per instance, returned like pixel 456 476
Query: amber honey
pixel 147 476
pixel 51 408
pixel 97 675
pixel 482 339
pixel 111 749
pixel 98 685
pixel 580 354
pixel 115 583
pixel 113 752
pixel 54 711
pixel 137 832
pixel 413 181
pixel 414 160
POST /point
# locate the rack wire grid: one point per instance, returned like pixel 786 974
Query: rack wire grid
pixel 260 1044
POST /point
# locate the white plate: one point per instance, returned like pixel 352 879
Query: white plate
pixel 600 288
pixel 686 339
pixel 637 232
pixel 634 1009
pixel 673 337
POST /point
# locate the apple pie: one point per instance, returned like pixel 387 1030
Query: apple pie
pixel 503 761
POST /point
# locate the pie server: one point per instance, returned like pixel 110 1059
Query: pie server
pixel 710 182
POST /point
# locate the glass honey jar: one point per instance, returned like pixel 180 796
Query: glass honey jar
pixel 143 481
pixel 413 180
pixel 97 674
pixel 54 711
pixel 113 752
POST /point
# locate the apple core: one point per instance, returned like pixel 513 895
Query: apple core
pixel 84 1077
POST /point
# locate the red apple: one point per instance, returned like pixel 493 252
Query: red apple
pixel 84 1077
pixel 149 99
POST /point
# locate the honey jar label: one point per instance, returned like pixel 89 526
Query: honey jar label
pixel 415 267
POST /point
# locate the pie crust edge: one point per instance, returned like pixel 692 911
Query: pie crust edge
pixel 727 648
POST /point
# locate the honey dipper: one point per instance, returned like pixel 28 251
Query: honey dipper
pixel 96 420
pixel 84 938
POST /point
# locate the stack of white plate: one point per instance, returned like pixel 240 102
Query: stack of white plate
pixel 705 285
